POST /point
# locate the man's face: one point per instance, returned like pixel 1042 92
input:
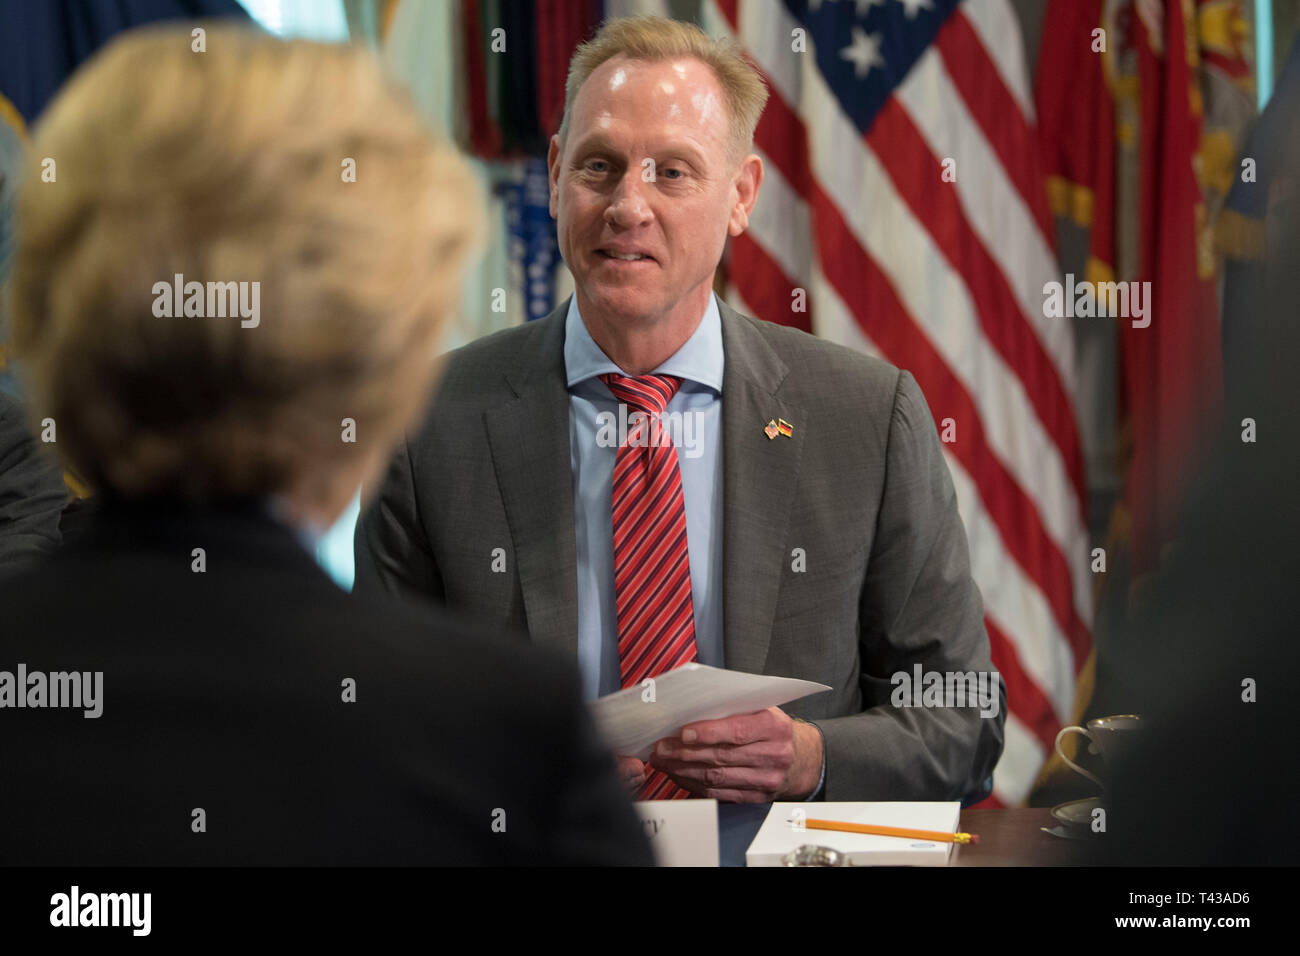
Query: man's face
pixel 644 191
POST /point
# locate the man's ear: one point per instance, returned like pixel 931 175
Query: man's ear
pixel 553 174
pixel 749 177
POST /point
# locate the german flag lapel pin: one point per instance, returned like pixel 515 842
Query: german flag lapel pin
pixel 784 427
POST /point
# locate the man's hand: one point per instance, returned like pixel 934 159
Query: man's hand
pixel 632 772
pixel 749 758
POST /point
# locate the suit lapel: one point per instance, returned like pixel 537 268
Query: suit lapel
pixel 529 438
pixel 759 478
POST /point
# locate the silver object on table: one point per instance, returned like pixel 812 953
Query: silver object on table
pixel 811 855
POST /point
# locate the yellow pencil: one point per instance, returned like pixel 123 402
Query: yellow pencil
pixel 939 836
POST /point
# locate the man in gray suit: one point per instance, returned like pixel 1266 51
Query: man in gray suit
pixel 802 523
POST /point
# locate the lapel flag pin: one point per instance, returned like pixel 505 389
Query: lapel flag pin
pixel 784 427
pixel 771 430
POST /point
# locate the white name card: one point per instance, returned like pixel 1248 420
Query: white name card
pixel 682 832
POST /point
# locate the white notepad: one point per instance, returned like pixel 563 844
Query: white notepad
pixel 632 722
pixel 778 836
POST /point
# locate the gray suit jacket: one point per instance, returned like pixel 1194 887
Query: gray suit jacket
pixel 861 487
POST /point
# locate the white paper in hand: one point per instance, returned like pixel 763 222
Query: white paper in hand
pixel 632 719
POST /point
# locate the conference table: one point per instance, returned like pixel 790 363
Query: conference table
pixel 1008 837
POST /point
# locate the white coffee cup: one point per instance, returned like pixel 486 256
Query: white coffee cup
pixel 1105 734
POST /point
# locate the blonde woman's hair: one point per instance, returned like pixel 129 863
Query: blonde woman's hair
pixel 657 38
pixel 231 165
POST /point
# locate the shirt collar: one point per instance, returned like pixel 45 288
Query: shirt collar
pixel 700 359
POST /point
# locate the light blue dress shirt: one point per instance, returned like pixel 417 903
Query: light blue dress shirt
pixel 699 363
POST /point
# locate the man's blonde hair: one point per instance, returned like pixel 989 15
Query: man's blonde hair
pixel 657 38
pixel 229 166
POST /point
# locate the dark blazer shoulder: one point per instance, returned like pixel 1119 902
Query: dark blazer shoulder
pixel 469 717
pixel 32 493
pixel 432 635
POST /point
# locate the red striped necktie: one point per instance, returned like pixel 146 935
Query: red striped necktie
pixel 652 570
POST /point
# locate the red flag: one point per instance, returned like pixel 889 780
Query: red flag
pixel 1172 377
pixel 561 26
pixel 1076 125
pixel 483 134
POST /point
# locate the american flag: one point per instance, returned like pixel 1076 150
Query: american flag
pixel 903 194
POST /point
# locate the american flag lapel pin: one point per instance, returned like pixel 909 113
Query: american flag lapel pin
pixel 771 430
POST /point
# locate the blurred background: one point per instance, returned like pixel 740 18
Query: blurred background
pixel 931 165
